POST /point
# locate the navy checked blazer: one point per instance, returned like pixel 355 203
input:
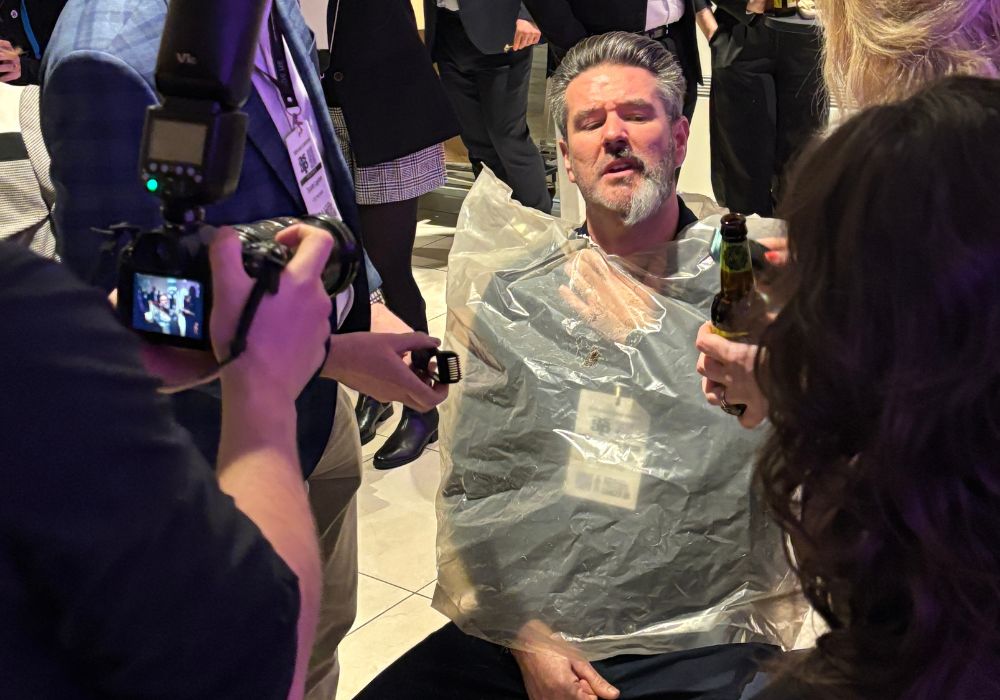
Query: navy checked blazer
pixel 97 81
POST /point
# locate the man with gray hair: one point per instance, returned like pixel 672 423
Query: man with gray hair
pixel 617 99
pixel 543 578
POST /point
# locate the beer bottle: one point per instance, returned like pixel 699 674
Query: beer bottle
pixel 738 307
pixel 781 8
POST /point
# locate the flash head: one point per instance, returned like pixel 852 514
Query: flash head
pixel 193 143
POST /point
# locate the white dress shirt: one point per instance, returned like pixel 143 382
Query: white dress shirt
pixel 448 4
pixel 283 121
pixel 660 12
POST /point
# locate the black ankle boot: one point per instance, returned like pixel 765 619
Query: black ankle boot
pixel 371 414
pixel 414 433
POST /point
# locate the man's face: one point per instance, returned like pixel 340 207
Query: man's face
pixel 621 148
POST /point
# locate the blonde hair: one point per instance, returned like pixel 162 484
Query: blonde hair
pixel 879 51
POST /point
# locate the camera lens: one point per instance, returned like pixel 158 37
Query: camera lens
pixel 345 259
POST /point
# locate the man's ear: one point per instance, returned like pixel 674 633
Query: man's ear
pixel 564 150
pixel 681 132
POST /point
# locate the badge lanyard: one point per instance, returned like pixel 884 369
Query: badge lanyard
pixel 303 148
pixel 282 77
pixel 26 23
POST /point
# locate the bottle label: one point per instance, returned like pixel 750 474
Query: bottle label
pixel 735 336
pixel 736 258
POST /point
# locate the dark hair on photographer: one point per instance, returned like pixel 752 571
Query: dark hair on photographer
pixel 883 376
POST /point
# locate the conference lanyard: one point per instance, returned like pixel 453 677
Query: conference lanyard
pixel 282 77
pixel 26 23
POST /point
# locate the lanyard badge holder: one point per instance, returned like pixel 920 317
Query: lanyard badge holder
pixel 300 141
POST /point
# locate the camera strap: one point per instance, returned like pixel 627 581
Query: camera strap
pixel 239 344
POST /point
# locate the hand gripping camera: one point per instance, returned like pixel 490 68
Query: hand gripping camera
pixel 192 156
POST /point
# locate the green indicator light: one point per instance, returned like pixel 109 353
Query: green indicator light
pixel 152 184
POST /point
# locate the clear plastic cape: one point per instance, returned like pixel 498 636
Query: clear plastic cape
pixel 591 498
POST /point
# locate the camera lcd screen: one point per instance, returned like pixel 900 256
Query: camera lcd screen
pixel 177 142
pixel 168 306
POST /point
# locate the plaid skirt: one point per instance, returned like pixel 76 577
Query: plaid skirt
pixel 395 180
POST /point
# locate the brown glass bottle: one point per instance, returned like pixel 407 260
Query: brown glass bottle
pixel 737 307
pixel 781 8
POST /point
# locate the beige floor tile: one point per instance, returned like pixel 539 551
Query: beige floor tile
pixel 369 651
pixel 374 598
pixel 397 526
pixel 435 253
pixel 428 590
pixel 432 285
pixel 428 231
pixel 433 226
pixel 443 243
pixel 428 239
pixel 437 326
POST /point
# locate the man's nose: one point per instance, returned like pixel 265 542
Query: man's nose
pixel 615 133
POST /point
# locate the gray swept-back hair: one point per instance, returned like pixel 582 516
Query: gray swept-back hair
pixel 620 49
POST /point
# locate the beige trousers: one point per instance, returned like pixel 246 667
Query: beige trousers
pixel 332 489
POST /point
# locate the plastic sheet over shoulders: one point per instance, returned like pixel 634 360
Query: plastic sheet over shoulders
pixel 588 489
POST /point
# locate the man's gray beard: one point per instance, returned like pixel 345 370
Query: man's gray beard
pixel 650 194
pixel 655 186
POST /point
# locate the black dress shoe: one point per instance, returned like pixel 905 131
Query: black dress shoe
pixel 371 414
pixel 413 434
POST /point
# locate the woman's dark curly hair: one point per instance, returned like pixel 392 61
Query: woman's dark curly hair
pixel 883 376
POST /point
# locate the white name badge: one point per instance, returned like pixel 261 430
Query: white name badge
pixel 608 450
pixel 309 171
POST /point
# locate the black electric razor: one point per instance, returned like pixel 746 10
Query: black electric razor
pixel 446 370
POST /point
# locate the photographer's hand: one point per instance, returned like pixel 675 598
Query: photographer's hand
pixel 286 341
pixel 373 363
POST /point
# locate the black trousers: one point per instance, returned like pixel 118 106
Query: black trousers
pixel 767 100
pixel 450 665
pixel 490 96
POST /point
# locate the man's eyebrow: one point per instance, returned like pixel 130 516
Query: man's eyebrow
pixel 580 117
pixel 636 102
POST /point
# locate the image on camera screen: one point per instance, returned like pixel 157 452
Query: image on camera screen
pixel 169 306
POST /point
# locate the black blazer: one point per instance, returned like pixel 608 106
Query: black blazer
pixel 488 23
pixel 566 22
pixel 381 76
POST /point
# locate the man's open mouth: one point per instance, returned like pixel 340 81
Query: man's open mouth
pixel 623 165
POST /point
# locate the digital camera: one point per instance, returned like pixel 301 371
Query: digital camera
pixel 191 156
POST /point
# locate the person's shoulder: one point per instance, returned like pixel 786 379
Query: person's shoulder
pixel 33 287
pixel 119 30
pixel 20 268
